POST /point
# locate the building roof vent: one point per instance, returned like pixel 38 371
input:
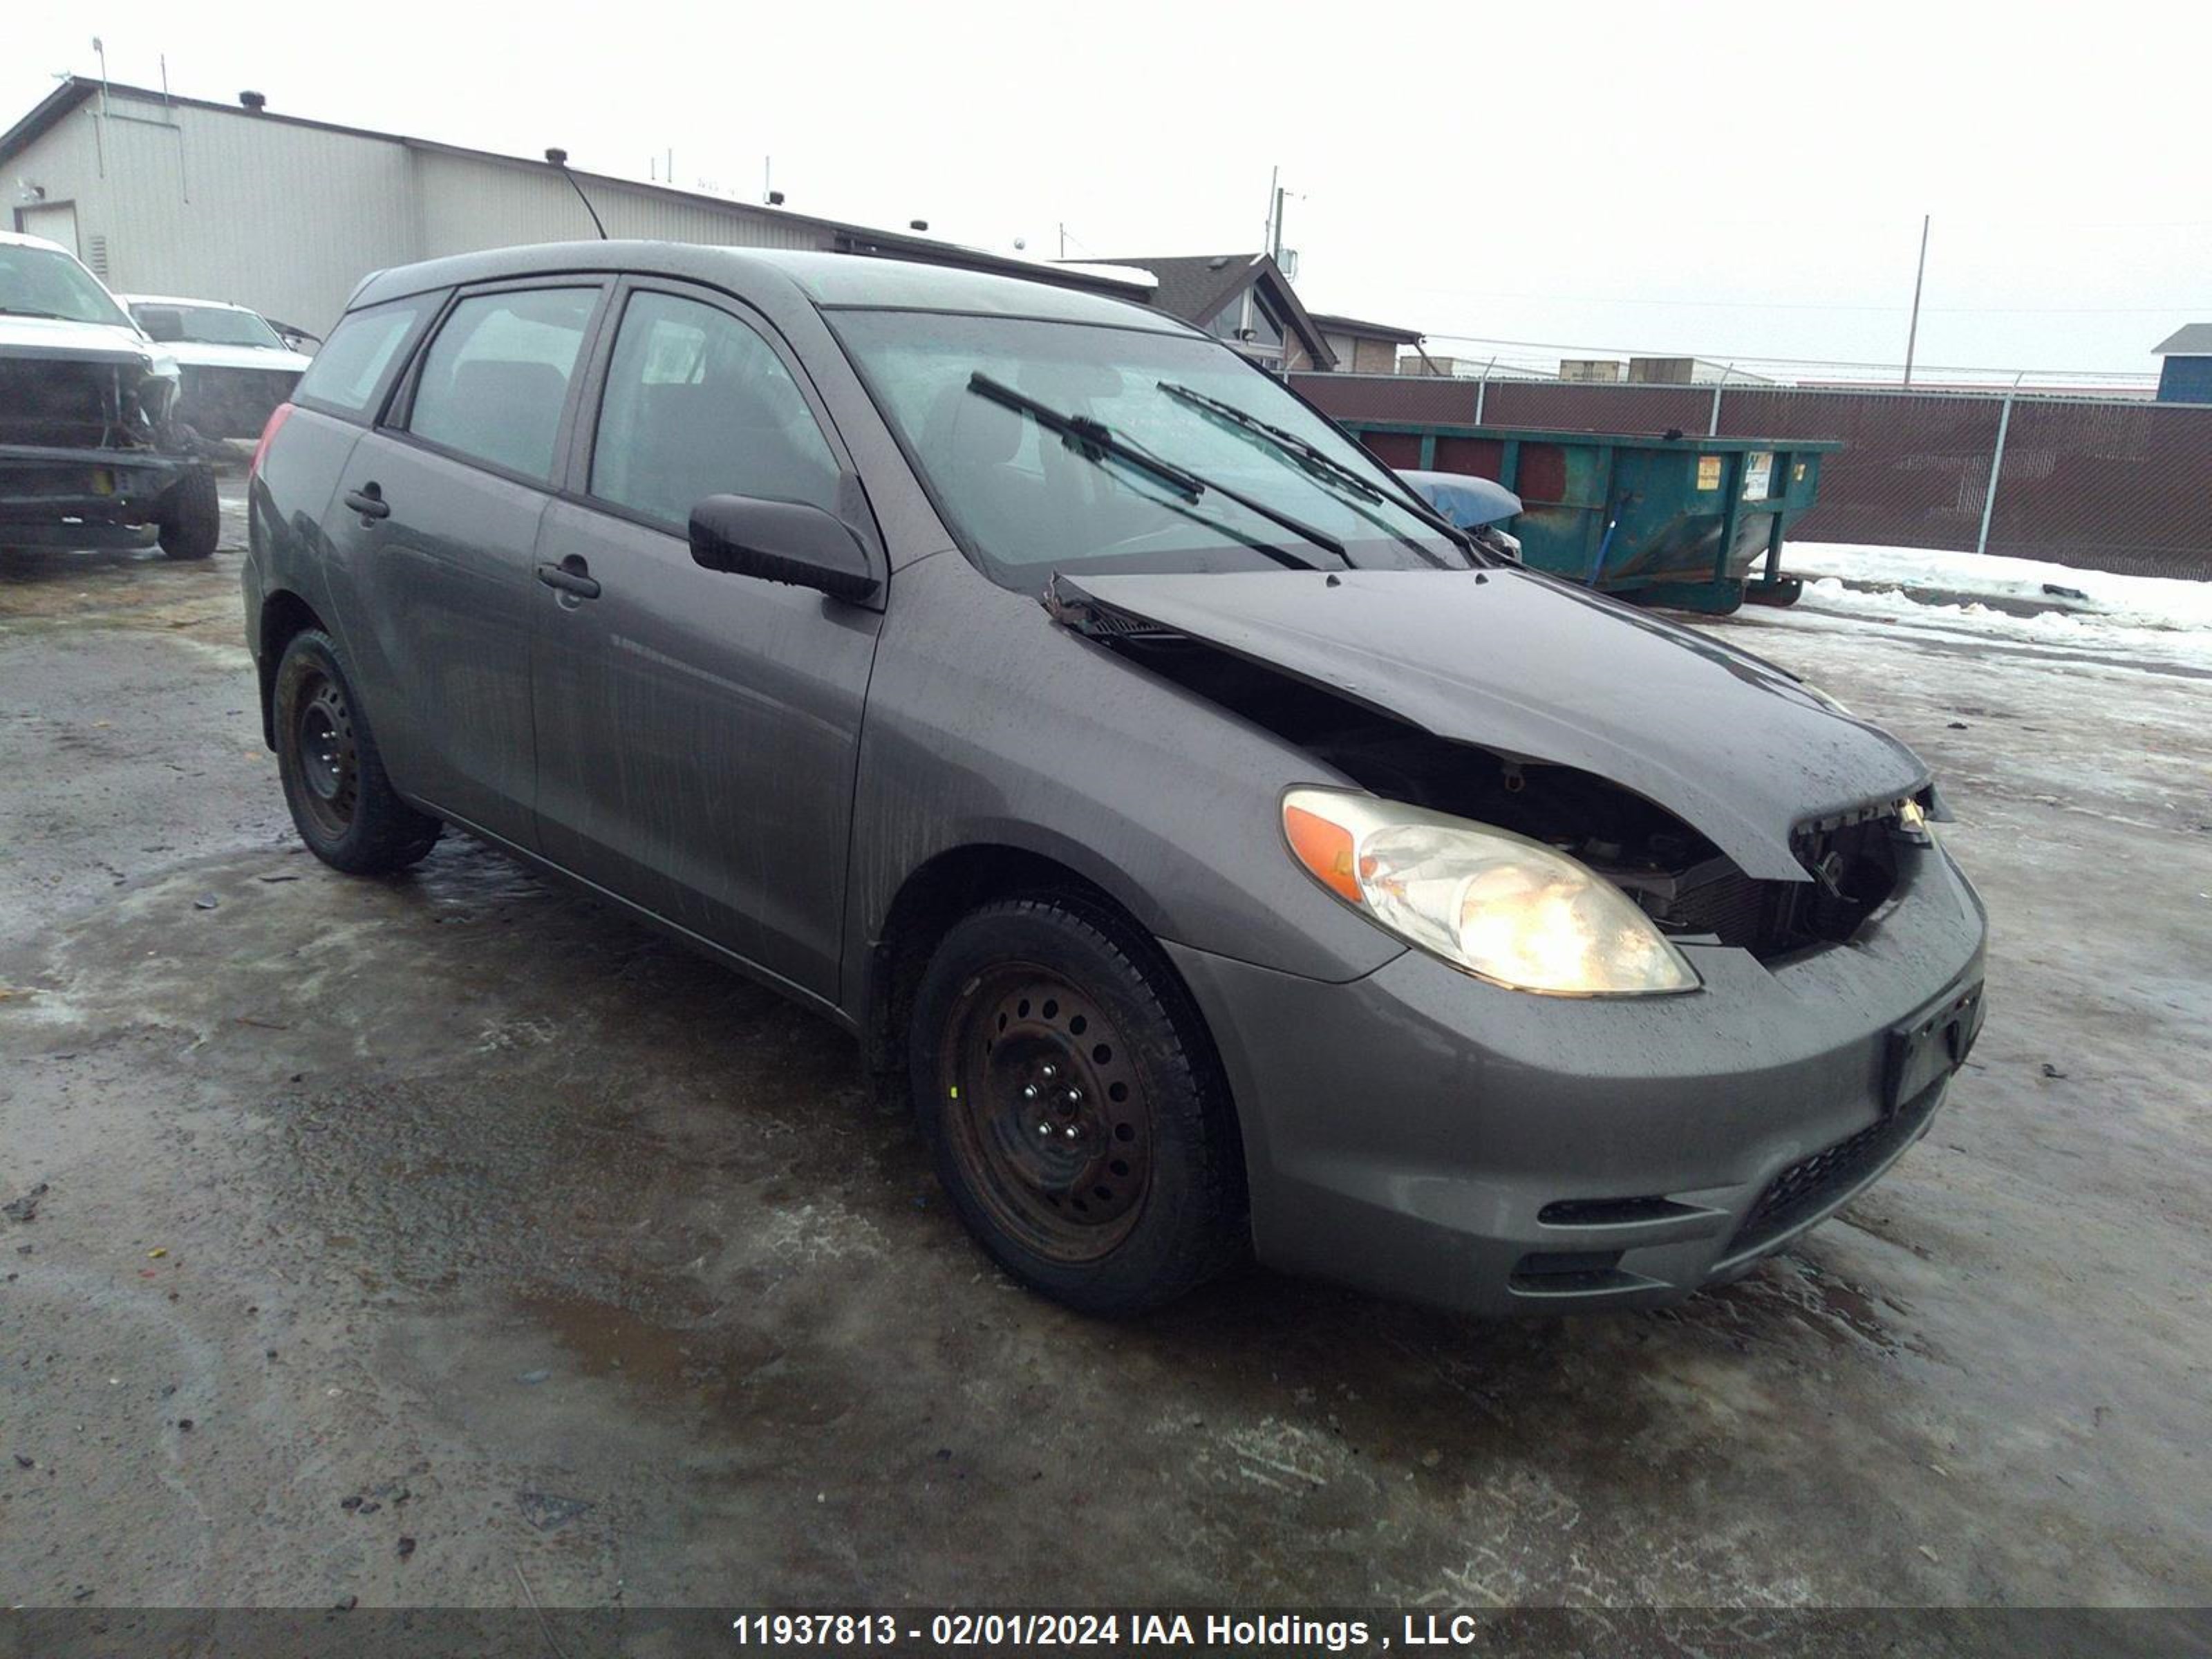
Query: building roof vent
pixel 253 101
pixel 917 224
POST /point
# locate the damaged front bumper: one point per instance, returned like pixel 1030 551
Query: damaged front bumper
pixel 85 459
pixel 1420 1133
pixel 84 498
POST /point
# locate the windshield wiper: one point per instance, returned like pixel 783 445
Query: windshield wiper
pixel 1312 457
pixel 31 311
pixel 1095 443
pixel 1317 461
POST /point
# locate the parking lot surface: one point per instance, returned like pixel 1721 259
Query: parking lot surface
pixel 449 1241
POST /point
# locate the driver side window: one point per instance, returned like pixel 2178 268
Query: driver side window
pixel 697 404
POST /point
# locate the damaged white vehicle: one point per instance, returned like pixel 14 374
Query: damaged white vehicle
pixel 233 367
pixel 91 454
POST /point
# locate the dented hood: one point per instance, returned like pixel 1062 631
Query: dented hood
pixel 1532 669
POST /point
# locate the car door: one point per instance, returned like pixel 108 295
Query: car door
pixel 698 731
pixel 436 522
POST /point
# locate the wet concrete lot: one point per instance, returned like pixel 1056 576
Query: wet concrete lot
pixel 454 1210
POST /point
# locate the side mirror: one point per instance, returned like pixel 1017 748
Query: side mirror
pixel 782 542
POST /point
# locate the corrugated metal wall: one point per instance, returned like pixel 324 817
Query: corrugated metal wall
pixel 286 218
pixel 470 202
pixel 2100 484
pixel 192 201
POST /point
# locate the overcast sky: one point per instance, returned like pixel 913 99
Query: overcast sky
pixel 1727 181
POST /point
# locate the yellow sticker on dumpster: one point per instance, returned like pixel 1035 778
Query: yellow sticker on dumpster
pixel 1708 472
pixel 103 482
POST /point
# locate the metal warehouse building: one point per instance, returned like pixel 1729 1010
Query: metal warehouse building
pixel 161 194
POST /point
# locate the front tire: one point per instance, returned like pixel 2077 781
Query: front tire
pixel 192 516
pixel 1070 1096
pixel 342 804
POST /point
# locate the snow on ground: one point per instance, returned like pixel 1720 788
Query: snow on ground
pixel 2140 601
pixel 2158 620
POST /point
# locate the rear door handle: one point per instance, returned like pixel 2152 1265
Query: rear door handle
pixel 571 575
pixel 368 501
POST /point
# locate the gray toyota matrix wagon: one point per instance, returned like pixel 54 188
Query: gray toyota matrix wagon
pixel 1232 856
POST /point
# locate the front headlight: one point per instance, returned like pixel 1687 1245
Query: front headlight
pixel 1501 907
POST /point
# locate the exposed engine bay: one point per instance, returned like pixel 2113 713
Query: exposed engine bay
pixel 55 402
pixel 1678 877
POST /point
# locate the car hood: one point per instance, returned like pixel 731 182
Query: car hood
pixel 52 337
pixel 1536 670
pixel 193 354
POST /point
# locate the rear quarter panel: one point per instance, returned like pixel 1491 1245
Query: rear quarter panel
pixel 286 506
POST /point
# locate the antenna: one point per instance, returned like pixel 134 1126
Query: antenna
pixel 559 158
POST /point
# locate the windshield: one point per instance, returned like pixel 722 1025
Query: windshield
pixel 1029 499
pixel 44 281
pixel 203 325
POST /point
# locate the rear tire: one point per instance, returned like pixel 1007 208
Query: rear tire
pixel 342 804
pixel 1069 1094
pixel 192 516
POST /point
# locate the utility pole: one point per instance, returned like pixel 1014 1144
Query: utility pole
pixel 1912 334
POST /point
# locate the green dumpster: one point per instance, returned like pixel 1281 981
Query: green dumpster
pixel 1668 521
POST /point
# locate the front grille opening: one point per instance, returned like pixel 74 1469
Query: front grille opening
pixel 1813 1184
pixel 1564 1272
pixel 1853 863
pixel 1852 860
pixel 1609 1212
pixel 68 405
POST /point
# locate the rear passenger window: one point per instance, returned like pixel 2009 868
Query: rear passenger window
pixel 350 366
pixel 697 404
pixel 495 380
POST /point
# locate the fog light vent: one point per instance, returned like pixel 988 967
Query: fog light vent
pixel 1610 1212
pixel 1565 1272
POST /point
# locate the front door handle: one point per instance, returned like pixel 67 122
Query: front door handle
pixel 368 501
pixel 571 576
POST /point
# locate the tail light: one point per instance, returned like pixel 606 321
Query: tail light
pixel 277 417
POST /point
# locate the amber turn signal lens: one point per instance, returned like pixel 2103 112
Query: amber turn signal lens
pixel 1323 848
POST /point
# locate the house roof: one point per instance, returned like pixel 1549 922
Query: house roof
pixel 848 238
pixel 1195 287
pixel 2191 340
pixel 1390 332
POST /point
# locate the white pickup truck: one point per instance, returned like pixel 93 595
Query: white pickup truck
pixel 91 454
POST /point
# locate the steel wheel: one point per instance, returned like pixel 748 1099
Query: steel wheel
pixel 328 758
pixel 1045 1113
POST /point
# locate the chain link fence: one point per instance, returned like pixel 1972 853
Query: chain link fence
pixel 2100 483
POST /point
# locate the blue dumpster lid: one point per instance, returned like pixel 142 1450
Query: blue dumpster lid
pixel 1463 499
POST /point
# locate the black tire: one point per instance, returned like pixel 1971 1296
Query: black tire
pixel 192 516
pixel 342 804
pixel 1133 1194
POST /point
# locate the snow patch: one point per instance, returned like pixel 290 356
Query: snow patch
pixel 2160 602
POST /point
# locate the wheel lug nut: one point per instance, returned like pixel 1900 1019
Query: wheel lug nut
pixel 1072 1132
pixel 1044 1128
pixel 1052 1071
pixel 1075 1096
pixel 1030 1092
